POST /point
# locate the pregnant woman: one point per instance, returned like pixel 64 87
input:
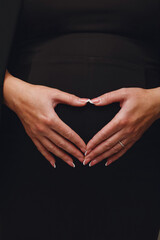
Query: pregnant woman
pixel 73 168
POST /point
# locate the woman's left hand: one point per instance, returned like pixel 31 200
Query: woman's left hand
pixel 139 109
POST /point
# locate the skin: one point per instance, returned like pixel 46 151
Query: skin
pixel 139 109
pixel 47 131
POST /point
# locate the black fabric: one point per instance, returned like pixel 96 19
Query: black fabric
pixel 9 13
pixel 86 48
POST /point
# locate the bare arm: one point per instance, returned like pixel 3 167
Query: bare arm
pixel 13 89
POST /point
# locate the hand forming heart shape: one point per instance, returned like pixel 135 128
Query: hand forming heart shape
pixel 139 109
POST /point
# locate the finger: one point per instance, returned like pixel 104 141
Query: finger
pixel 107 145
pixel 51 147
pixel 44 152
pixel 118 155
pixel 62 128
pixel 107 131
pixel 110 97
pixel 115 149
pixel 69 98
pixel 64 144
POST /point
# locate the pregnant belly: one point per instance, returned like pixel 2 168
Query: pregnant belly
pixel 86 65
pixel 88 77
pixel 88 73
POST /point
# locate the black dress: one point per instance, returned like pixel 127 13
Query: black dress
pixel 86 48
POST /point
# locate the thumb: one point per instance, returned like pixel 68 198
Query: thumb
pixel 108 98
pixel 69 98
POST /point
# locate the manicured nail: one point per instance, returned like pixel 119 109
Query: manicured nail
pixel 85 153
pixel 89 100
pixel 73 164
pixel 84 162
pixel 88 151
pixel 82 100
pixel 108 163
pixel 90 164
pixel 53 164
pixel 95 100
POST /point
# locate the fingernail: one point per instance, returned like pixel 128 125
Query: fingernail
pixel 89 100
pixel 88 151
pixel 95 100
pixel 92 162
pixel 85 153
pixel 73 164
pixel 82 100
pixel 53 164
pixel 84 162
pixel 108 163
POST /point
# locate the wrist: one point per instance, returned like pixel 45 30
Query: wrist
pixel 155 97
pixel 14 89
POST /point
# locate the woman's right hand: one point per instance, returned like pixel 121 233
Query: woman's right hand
pixel 34 105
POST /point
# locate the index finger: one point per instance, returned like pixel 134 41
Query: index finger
pixel 62 128
pixel 107 131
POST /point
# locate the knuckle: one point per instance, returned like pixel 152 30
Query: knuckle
pixel 129 130
pixel 107 96
pixel 69 134
pixel 107 145
pixel 121 122
pixel 116 149
pixel 48 121
pixel 51 147
pixel 57 94
pixel 124 121
pixel 101 135
pixel 71 97
pixel 39 128
pixel 61 144
pixel 124 91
